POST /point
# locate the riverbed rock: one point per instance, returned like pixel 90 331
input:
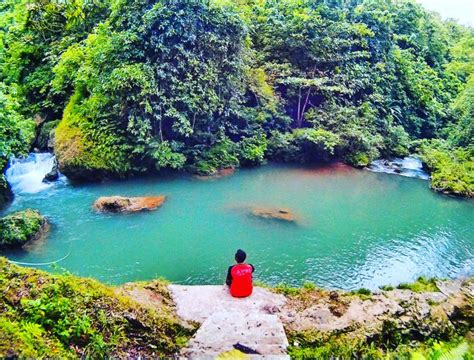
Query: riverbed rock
pixel 22 227
pixel 53 175
pixel 120 204
pixel 282 214
pixel 6 194
pixel 219 173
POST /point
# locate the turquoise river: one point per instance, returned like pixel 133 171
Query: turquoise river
pixel 357 228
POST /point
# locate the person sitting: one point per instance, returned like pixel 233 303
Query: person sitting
pixel 239 276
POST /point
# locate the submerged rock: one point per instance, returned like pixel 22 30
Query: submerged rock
pixel 21 227
pixel 119 204
pixel 220 173
pixel 282 214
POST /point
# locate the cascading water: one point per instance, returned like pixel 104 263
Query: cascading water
pixel 409 166
pixel 26 175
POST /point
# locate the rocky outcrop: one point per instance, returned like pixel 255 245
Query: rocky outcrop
pixel 282 214
pixel 403 313
pixel 84 157
pixel 22 227
pixel 120 204
pixel 6 194
pixel 244 323
pixel 53 175
pixel 45 135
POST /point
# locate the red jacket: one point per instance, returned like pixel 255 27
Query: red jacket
pixel 239 278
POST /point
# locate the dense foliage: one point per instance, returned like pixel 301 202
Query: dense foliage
pixel 18 228
pixel 62 316
pixel 143 85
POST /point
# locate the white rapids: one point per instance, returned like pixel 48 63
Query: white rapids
pixel 26 175
pixel 409 166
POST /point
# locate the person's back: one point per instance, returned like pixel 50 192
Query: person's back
pixel 239 276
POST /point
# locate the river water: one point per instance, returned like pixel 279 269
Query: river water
pixel 357 228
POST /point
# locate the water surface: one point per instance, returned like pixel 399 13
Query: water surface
pixel 357 229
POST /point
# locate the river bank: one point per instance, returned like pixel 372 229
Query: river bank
pixel 66 316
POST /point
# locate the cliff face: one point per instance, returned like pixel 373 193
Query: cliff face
pixel 45 315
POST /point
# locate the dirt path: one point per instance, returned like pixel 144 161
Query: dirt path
pixel 227 321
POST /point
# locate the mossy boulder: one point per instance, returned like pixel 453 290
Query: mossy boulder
pixel 87 152
pixel 282 214
pixel 21 227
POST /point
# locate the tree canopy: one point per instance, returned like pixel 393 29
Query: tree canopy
pixel 142 85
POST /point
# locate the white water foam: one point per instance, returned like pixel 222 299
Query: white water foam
pixel 26 175
pixel 409 166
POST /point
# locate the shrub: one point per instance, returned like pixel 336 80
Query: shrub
pixel 20 227
pixel 251 150
pixel 452 169
pixel 422 284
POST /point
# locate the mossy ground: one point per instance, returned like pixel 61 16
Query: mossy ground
pixel 63 316
pixel 437 335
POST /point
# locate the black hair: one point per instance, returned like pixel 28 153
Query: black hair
pixel 240 256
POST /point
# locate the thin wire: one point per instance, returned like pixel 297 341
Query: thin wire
pixel 41 264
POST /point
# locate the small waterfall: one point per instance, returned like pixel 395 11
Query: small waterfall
pixel 409 166
pixel 26 175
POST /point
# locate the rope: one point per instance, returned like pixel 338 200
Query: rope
pixel 41 264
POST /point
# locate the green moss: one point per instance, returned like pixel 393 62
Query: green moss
pixel 66 316
pixel 86 150
pixel 287 290
pixel 20 227
pixel 323 345
pixel 422 284
pixel 362 293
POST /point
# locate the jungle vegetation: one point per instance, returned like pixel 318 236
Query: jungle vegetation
pixel 144 85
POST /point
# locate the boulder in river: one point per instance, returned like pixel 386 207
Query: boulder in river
pixel 6 194
pixel 282 214
pixel 53 175
pixel 22 227
pixel 120 204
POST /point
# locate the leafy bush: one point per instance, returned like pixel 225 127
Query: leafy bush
pixel 20 227
pixel 452 169
pixel 220 156
pixel 142 86
pixel 251 150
